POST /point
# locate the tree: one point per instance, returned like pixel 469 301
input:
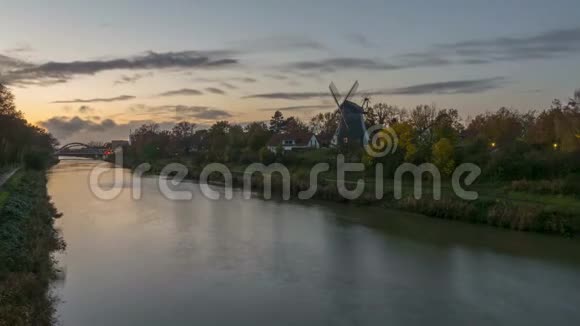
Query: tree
pixel 182 134
pixel 294 125
pixel 7 106
pixel 502 127
pixel 218 140
pixel 448 125
pixel 266 156
pixel 324 124
pixel 149 142
pixel 423 117
pixel 383 114
pixel 574 101
pixel 258 135
pixel 236 142
pixel 183 130
pixel 443 156
pixel 20 141
pixel 406 137
pixel 200 140
pixel 558 125
pixel 277 122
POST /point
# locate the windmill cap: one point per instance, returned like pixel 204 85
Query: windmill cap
pixel 352 106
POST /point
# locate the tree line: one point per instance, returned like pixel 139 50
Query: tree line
pixel 20 141
pixel 507 144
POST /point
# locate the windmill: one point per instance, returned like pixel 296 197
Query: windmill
pixel 351 127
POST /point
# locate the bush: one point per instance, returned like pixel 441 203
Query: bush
pixel 266 156
pixel 445 208
pixel 36 160
pixel 572 184
pixel 497 213
pixel 552 187
pixel 27 237
pixel 510 216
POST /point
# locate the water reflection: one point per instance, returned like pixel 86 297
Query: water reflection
pixel 249 262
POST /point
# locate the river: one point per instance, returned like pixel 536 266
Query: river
pixel 254 262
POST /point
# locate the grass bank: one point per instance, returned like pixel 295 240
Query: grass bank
pixel 27 239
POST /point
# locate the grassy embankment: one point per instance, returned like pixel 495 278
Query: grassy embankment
pixel 508 205
pixel 27 239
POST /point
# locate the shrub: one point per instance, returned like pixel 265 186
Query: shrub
pixel 538 187
pixel 266 156
pixel 36 160
pixel 572 184
pixel 27 237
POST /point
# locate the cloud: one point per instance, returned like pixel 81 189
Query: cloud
pixel 149 61
pixel 467 86
pixel 7 63
pixel 300 107
pixel 333 64
pixel 74 129
pixel 23 48
pixel 22 73
pixel 276 76
pixel 131 79
pixel 181 92
pixel 95 100
pixel 546 45
pixel 64 127
pixel 360 40
pixel 184 112
pixel 280 43
pixel 228 85
pixel 532 91
pixel 85 109
pixel 201 112
pixel 410 60
pixel 448 87
pixel 180 112
pixel 215 90
pixel 289 95
pixel 245 79
pixel 227 82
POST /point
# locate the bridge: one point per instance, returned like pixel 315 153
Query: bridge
pixel 83 150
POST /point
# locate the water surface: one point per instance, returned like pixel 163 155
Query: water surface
pixel 255 262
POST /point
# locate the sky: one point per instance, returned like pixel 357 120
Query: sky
pixel 93 70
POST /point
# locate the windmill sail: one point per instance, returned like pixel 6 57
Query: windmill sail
pixel 336 96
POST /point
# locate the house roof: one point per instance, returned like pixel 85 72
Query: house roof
pixel 325 138
pixel 300 138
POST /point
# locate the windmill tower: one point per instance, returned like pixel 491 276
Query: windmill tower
pixel 351 129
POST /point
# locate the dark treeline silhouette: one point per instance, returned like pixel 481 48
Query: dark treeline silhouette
pixel 21 142
pixel 506 144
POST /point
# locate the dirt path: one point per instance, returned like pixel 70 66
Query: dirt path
pixel 4 177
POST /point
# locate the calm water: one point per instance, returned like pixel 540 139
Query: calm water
pixel 255 262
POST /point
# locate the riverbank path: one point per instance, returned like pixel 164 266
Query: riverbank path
pixel 7 175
